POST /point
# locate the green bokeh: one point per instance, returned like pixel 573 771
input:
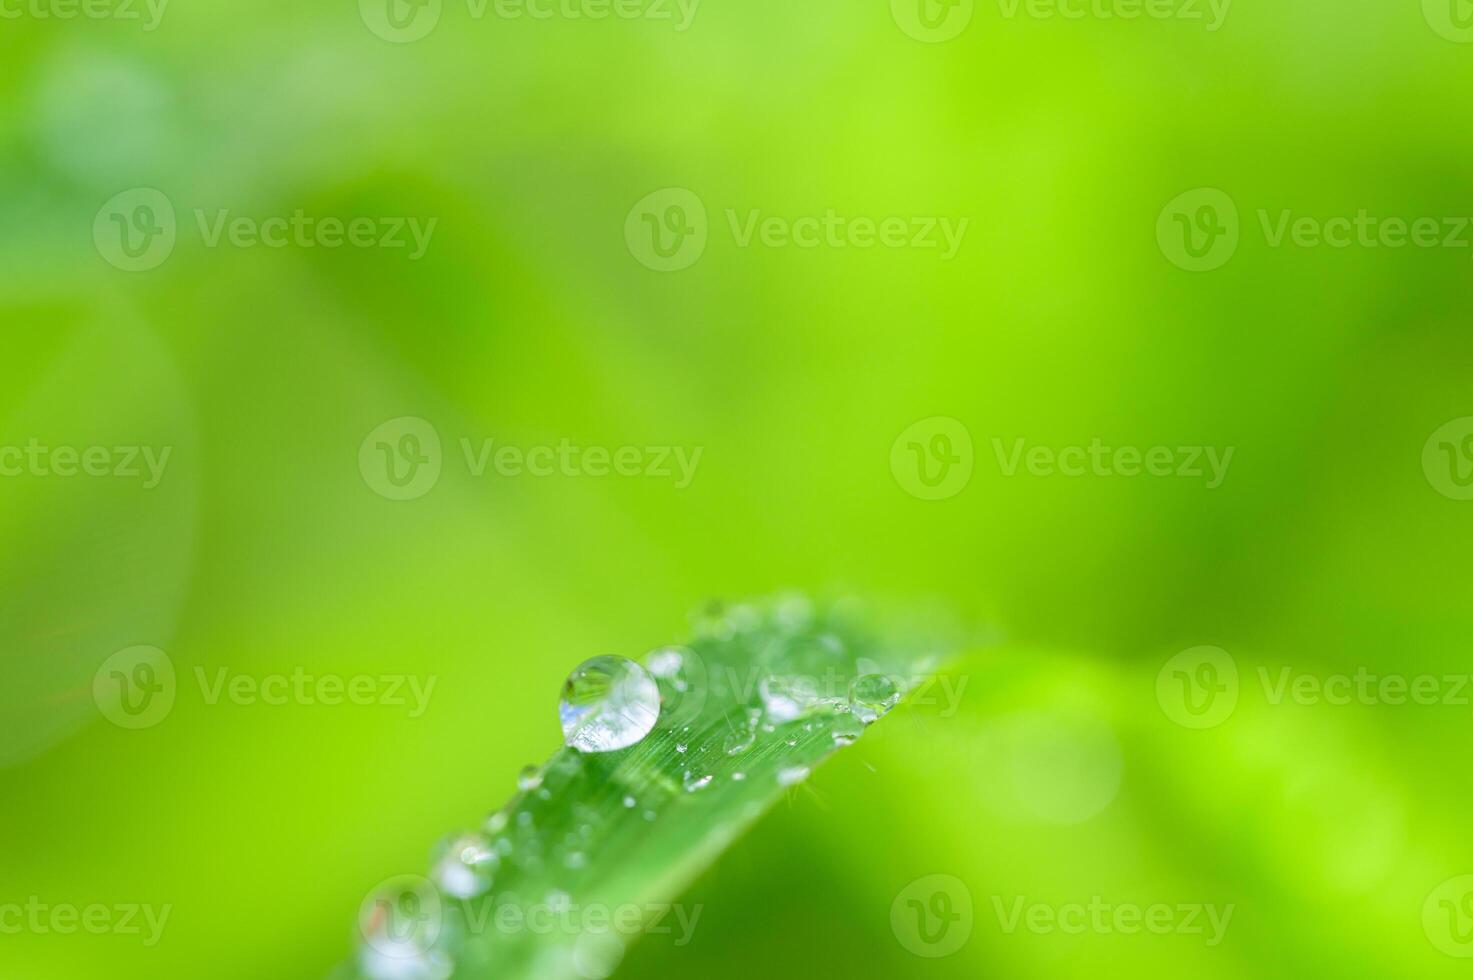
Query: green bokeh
pixel 1061 778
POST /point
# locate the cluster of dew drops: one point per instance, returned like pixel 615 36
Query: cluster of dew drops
pixel 610 703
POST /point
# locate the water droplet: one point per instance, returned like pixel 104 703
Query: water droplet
pixel 650 815
pixel 873 697
pixel 608 703
pixel 496 823
pixel 465 863
pixel 630 802
pixel 792 775
pixel 739 741
pixel 694 781
pixel 575 860
pixel 529 778
pixel 846 729
pixel 680 747
pixel 737 777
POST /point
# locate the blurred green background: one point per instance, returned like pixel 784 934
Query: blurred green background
pixel 529 320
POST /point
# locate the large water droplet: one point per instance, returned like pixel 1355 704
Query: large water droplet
pixel 608 703
pixel 873 697
pixel 465 863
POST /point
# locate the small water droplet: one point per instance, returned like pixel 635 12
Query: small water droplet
pixel 529 778
pixel 496 823
pixel 630 802
pixel 575 860
pixel 680 747
pixel 694 781
pixel 608 703
pixel 737 777
pixel 873 696
pixel 739 741
pixel 465 864
pixel 650 815
pixel 846 729
pixel 792 775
